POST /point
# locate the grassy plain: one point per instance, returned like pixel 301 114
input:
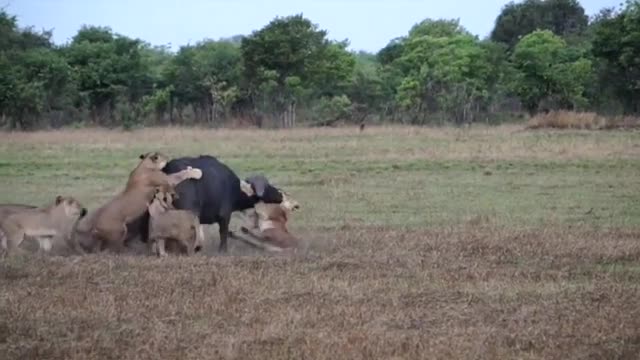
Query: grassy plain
pixel 488 242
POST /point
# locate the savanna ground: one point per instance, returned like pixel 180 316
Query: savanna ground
pixel 419 243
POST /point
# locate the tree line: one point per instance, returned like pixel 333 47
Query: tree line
pixel 541 55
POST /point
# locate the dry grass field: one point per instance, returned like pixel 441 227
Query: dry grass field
pixel 437 243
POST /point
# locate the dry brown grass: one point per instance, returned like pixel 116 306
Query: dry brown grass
pixel 472 292
pixel 582 120
pixel 479 243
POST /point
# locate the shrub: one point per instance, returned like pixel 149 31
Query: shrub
pixel 581 120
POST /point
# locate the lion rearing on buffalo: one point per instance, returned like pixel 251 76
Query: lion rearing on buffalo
pixel 109 228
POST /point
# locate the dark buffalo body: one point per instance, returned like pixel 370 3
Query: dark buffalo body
pixel 217 194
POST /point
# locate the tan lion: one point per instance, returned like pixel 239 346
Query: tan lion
pixel 109 228
pixel 48 224
pixel 169 226
pixel 268 222
pixel 8 209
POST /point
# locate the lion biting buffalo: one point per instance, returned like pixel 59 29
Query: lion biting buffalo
pixel 168 225
pixel 164 201
pixel 268 221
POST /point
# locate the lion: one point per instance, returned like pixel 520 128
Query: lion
pixel 8 209
pixel 47 224
pixel 168 225
pixel 268 222
pixel 109 225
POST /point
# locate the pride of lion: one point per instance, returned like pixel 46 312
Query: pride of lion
pixel 65 221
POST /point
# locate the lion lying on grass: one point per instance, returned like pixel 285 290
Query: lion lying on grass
pixel 267 225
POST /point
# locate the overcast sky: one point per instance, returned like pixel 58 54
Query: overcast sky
pixel 368 24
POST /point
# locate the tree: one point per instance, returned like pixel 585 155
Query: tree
pixel 156 59
pixel 500 75
pixel 617 44
pixel 391 52
pixel 207 77
pixel 109 68
pixel 548 70
pixel 541 54
pixel 34 79
pixel 444 69
pixel 366 90
pixel 440 28
pixel 290 59
pixel 564 18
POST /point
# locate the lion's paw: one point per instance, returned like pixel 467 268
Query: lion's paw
pixel 194 173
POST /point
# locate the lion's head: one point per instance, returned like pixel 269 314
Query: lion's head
pixel 267 193
pixel 70 206
pixel 288 203
pixel 154 160
pixel 165 198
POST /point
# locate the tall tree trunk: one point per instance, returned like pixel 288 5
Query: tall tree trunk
pixel 211 113
pixel 293 114
pixel 171 104
pixel 285 116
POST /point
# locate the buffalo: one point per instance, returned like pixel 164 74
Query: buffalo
pixel 215 196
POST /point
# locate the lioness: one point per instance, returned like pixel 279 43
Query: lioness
pixel 167 224
pixel 270 221
pixel 109 227
pixel 46 224
pixel 8 209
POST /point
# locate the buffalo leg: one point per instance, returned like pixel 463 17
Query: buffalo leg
pixel 223 225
